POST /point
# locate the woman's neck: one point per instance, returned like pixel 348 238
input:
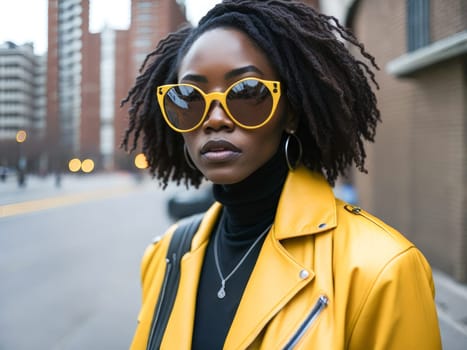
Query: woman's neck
pixel 253 201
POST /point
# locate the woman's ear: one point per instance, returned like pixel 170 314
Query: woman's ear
pixel 291 120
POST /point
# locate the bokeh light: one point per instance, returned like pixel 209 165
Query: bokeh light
pixel 87 166
pixel 21 136
pixel 74 165
pixel 141 161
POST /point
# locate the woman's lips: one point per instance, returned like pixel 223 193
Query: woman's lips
pixel 219 151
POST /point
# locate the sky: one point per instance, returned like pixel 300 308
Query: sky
pixel 24 21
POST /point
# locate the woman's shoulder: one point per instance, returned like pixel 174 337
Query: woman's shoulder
pixel 367 250
pixel 369 244
pixel 155 253
pixel 357 226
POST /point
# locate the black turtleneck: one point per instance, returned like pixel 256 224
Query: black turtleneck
pixel 248 210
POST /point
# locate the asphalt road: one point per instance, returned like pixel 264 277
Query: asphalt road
pixel 70 273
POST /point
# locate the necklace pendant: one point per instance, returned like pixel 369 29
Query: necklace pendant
pixel 221 293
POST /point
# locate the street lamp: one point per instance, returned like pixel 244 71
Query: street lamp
pixel 21 137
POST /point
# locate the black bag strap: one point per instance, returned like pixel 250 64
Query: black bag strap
pixel 179 245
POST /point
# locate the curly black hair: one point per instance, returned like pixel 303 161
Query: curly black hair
pixel 326 86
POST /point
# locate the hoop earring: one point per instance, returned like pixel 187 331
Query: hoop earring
pixel 188 160
pixel 293 165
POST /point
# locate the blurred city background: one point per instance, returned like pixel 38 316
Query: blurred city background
pixel 76 212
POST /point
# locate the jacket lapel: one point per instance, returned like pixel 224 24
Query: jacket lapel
pixel 275 279
pixel 282 271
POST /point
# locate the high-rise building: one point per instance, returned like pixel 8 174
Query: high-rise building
pixel 107 96
pixel 89 74
pixel 38 122
pixel 22 101
pixel 67 24
pixel 16 86
pixel 151 21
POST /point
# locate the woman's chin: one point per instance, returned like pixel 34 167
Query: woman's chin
pixel 224 178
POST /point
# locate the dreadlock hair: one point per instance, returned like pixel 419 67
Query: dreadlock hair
pixel 326 86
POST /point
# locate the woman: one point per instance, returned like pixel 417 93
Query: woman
pixel 263 100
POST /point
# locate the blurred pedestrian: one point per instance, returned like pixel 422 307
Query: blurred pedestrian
pixel 58 178
pixel 265 100
pixel 21 174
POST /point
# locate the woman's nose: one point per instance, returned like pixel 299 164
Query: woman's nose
pixel 217 118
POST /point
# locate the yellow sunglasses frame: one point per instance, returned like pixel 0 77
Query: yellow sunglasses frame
pixel 273 86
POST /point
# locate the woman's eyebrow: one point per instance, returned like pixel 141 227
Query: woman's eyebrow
pixel 239 71
pixel 229 75
pixel 195 77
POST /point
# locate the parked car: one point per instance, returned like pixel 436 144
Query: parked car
pixel 189 202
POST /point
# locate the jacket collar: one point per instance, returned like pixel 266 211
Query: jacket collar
pixel 306 206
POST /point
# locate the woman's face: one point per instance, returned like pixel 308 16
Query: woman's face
pixel 224 152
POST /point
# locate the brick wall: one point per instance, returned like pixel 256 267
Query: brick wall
pixel 123 82
pixel 52 122
pixel 418 163
pixel 447 17
pixel 385 190
pixel 151 21
pixel 437 169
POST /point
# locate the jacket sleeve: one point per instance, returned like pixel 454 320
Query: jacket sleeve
pixel 152 272
pixel 399 312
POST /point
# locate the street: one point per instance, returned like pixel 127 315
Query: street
pixel 70 257
pixel 70 275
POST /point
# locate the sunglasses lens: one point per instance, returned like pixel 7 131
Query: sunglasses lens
pixel 184 106
pixel 250 102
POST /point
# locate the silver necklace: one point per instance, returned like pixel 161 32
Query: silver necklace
pixel 221 292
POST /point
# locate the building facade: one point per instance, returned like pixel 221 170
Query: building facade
pixel 417 167
pixel 151 21
pixel 89 74
pixel 22 102
pixel 68 22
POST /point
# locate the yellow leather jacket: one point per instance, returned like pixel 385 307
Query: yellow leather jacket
pixel 329 276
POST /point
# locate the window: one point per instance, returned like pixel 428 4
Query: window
pixel 144 5
pixel 418 24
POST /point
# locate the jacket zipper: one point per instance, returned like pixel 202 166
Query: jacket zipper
pixel 359 211
pixel 161 300
pixel 315 312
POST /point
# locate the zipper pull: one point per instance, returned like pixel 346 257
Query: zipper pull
pixel 353 209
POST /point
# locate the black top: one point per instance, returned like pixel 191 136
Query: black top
pixel 249 208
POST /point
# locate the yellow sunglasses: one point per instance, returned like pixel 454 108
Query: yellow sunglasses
pixel 249 102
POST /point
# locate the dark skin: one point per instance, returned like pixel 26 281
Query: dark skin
pixel 224 152
pixel 327 88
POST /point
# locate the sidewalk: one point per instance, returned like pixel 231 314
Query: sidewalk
pixel 451 300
